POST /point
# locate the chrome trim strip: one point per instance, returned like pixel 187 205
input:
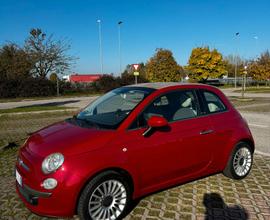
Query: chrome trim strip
pixel 21 163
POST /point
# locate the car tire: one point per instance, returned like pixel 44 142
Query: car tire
pixel 240 162
pixel 107 194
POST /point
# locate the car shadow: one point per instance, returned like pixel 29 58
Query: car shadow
pixel 216 208
pixel 51 104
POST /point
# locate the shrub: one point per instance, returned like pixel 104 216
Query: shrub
pixel 29 87
pixel 106 83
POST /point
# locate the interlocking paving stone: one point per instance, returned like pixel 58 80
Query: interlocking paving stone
pixel 214 197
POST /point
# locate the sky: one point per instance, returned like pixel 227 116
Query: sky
pixel 176 25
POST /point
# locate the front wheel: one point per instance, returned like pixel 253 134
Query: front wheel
pixel 106 197
pixel 240 162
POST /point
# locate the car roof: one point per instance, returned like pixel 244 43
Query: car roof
pixel 162 85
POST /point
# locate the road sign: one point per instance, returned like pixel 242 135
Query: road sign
pixel 136 66
pixel 136 73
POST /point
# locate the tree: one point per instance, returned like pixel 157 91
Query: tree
pixel 162 67
pixel 204 64
pixel 260 68
pixel 230 64
pixel 48 55
pixel 106 83
pixel 127 77
pixel 15 63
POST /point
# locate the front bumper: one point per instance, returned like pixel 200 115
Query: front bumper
pixel 58 202
pixel 30 195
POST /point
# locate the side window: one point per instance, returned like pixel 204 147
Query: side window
pixel 184 106
pixel 160 107
pixel 162 101
pixel 173 106
pixel 213 102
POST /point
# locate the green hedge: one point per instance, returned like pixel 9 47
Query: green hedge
pixel 34 87
pixel 30 87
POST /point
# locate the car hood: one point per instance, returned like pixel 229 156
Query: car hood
pixel 67 138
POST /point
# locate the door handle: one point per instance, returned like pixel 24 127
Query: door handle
pixel 206 132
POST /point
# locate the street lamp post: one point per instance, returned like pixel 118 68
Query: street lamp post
pixel 256 38
pixel 235 63
pixel 100 46
pixel 119 47
pixel 244 81
pixel 235 71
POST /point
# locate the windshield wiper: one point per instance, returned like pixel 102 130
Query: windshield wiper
pixel 86 121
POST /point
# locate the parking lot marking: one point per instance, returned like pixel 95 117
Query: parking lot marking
pixel 260 126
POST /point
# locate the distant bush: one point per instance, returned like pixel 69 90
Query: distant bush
pixel 67 88
pixel 109 82
pixel 106 83
pixel 30 87
pixel 34 87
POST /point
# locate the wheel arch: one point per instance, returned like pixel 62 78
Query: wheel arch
pixel 229 149
pixel 229 169
pixel 118 170
pixel 249 142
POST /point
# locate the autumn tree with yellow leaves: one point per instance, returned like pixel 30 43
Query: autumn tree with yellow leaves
pixel 260 68
pixel 162 67
pixel 205 63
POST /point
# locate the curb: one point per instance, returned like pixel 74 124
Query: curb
pixel 262 153
pixel 39 112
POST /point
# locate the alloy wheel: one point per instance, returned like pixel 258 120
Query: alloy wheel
pixel 107 201
pixel 242 161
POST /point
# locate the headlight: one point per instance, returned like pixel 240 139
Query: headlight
pixel 52 162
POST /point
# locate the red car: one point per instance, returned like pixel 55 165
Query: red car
pixel 131 142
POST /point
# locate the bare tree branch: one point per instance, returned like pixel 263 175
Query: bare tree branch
pixel 48 55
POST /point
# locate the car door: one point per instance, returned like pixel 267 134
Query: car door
pixel 221 119
pixel 182 149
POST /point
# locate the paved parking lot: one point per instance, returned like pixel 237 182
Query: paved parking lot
pixel 214 197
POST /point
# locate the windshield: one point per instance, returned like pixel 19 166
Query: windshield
pixel 111 109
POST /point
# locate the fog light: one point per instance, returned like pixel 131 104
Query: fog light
pixel 50 183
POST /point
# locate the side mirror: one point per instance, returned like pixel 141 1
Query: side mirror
pixel 155 122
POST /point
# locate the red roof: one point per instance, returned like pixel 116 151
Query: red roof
pixel 87 78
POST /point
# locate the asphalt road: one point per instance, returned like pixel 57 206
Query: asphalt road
pixel 259 125
pixel 230 92
pixel 77 102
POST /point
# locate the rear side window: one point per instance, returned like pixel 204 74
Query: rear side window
pixel 213 102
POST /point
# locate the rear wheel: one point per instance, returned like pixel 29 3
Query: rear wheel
pixel 240 162
pixel 106 197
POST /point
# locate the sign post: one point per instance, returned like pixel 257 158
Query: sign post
pixel 136 73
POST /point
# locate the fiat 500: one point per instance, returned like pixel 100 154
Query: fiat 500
pixel 131 142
